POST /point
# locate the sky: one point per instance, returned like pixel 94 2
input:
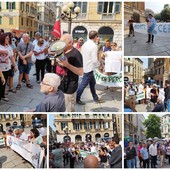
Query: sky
pixel 51 121
pixel 145 62
pixel 156 7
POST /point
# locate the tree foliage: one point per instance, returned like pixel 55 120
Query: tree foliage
pixel 165 13
pixel 153 124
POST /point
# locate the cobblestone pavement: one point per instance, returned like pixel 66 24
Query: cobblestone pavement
pixel 137 46
pixel 26 98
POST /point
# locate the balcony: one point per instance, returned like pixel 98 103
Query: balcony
pixel 107 17
pixel 31 15
pixel 128 62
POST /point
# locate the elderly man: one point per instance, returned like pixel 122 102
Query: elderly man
pixel 23 135
pixel 73 68
pixel 54 100
pixel 91 162
pixel 25 51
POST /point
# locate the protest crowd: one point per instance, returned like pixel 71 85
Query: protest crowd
pixel 155 99
pixel 57 70
pixel 102 154
pixel 152 153
pixel 36 137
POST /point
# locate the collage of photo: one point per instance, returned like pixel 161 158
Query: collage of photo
pixel 72 74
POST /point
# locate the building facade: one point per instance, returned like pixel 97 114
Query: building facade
pixel 27 118
pixel 19 16
pixel 159 71
pixel 133 127
pixel 128 69
pixel 52 134
pixel 85 127
pixel 165 126
pixel 135 9
pixel 104 17
pixel 46 17
pixel 137 70
pixel 9 120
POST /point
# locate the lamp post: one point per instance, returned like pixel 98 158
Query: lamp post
pixel 68 14
pixel 67 131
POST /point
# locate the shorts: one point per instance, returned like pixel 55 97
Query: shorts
pixel 24 68
pixel 11 72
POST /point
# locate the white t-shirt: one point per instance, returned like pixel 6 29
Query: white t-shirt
pixel 42 131
pixel 38 49
pixel 5 63
pixel 24 136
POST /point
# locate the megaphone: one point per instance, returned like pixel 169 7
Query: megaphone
pixel 57 49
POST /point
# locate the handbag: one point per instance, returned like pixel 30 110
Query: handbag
pixel 33 59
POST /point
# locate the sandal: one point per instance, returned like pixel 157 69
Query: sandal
pixel 29 86
pixel 12 90
pixel 18 87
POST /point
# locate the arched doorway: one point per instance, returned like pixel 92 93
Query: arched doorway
pixel 78 138
pixel 106 33
pixel 1 127
pixel 15 123
pixel 88 138
pixel 8 124
pixel 106 135
pixel 136 17
pixel 66 139
pixel 97 137
pixel 80 32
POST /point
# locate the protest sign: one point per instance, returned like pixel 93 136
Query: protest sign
pixel 140 96
pixel 113 61
pixel 110 81
pixel 85 153
pixel 2 141
pixel 31 152
pixel 161 29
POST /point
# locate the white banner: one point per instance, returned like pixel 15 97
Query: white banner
pixel 2 141
pixel 85 153
pixel 161 29
pixel 113 61
pixel 110 81
pixel 140 96
pixel 31 152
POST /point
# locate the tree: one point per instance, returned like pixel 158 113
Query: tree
pixel 153 124
pixel 165 13
pixel 158 17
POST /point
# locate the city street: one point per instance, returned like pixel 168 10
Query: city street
pixel 26 98
pixel 137 46
pixel 10 159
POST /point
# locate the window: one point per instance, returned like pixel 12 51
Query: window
pixel 0 116
pixel 22 6
pixel 14 115
pixel 0 19
pixel 82 5
pixel 77 126
pixel 63 125
pixel 27 8
pixel 22 21
pixel 106 125
pixel 7 116
pixel 87 125
pixel 10 5
pixel 0 6
pixel 108 7
pixel 27 22
pixel 11 21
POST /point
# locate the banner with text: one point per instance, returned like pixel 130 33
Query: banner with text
pixel 31 152
pixel 2 141
pixel 110 81
pixel 161 29
pixel 85 153
pixel 140 96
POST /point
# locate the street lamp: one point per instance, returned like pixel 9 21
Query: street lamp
pixel 67 131
pixel 68 14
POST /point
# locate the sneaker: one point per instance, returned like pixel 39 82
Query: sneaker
pixel 99 100
pixel 5 99
pixel 80 102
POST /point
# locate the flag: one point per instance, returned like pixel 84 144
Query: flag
pixel 56 29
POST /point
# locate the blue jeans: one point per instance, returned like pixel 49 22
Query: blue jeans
pixel 168 105
pixel 131 163
pixel 88 78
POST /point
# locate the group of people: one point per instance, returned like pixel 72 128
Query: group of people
pixel 60 83
pixel 100 155
pixel 156 102
pixel 36 136
pixel 147 154
pixel 151 23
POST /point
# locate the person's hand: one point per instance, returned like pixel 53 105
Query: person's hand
pixel 63 63
pixel 24 62
pixel 3 80
pixel 15 68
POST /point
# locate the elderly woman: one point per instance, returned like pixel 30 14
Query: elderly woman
pixel 6 57
pixel 35 136
pixel 39 51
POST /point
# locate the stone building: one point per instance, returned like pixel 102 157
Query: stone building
pixel 9 120
pixel 128 69
pixel 165 126
pixel 135 9
pixel 85 127
pixel 137 70
pixel 27 118
pixel 52 134
pixel 104 17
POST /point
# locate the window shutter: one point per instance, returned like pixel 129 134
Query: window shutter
pixel 13 5
pixel 7 5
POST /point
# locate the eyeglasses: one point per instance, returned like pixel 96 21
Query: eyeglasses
pixel 113 45
pixel 45 84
